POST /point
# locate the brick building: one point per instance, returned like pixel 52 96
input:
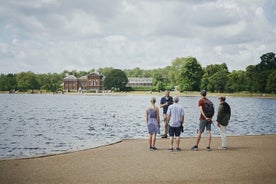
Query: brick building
pixel 90 82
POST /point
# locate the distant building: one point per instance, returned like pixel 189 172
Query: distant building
pixel 138 82
pixel 90 82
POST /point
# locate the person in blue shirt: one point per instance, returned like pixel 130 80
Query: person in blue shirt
pixel 165 102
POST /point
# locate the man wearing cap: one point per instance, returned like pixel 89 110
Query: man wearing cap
pixel 176 119
pixel 204 122
pixel 223 117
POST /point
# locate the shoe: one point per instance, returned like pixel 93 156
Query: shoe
pixel 164 136
pixel 154 148
pixel 151 149
pixel 222 148
pixel 208 148
pixel 194 148
pixel 178 149
pixel 170 149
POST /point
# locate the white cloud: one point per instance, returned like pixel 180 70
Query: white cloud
pixel 55 35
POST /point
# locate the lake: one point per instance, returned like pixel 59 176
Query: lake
pixel 34 125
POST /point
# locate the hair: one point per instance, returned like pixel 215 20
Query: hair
pixel 203 93
pixel 176 99
pixel 153 99
pixel 222 98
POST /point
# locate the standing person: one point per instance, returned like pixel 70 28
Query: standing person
pixel 176 119
pixel 153 123
pixel 223 117
pixel 206 109
pixel 165 102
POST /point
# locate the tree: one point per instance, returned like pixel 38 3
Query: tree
pixel 158 81
pixel 268 62
pixel 211 70
pixel 237 81
pixel 26 81
pixel 217 82
pixel 191 73
pixel 174 74
pixel 8 82
pixel 271 82
pixel 115 79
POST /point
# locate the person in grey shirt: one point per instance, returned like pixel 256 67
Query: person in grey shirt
pixel 176 119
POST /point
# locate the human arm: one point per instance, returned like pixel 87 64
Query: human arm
pixel 157 116
pixel 147 115
pixel 203 114
pixel 220 114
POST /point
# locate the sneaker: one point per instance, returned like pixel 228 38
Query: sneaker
pixel 178 149
pixel 170 149
pixel 194 148
pixel 154 148
pixel 208 148
pixel 151 148
pixel 222 148
pixel 164 136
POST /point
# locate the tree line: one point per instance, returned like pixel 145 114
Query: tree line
pixel 184 74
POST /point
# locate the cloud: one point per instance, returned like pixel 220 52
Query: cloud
pixel 55 35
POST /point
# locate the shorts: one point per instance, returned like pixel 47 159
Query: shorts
pixel 203 124
pixel 174 131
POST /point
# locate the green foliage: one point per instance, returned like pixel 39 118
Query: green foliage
pixel 215 77
pixel 8 82
pixel 237 81
pixel 271 82
pixel 191 73
pixel 27 81
pixel 115 79
pixel 184 72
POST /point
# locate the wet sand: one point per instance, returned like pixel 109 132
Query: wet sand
pixel 249 159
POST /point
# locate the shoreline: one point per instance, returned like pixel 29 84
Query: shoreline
pixel 182 94
pixel 116 142
pixel 249 159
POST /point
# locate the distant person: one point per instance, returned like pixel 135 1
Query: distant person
pixel 223 117
pixel 206 109
pixel 153 123
pixel 176 119
pixel 165 102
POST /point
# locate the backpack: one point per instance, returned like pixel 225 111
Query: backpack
pixel 208 109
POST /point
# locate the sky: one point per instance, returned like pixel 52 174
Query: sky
pixel 47 36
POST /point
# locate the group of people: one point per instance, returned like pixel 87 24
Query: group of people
pixel 173 116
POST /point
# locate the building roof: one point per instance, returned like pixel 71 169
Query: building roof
pixel 70 77
pixel 138 80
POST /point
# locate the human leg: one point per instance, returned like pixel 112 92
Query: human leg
pixel 150 140
pixel 202 125
pixel 166 125
pixel 223 136
pixel 208 128
pixel 171 134
pixel 153 140
pixel 209 138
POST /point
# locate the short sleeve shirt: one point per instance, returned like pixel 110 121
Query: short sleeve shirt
pixel 176 111
pixel 201 103
pixel 164 100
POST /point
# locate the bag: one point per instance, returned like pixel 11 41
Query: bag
pixel 208 109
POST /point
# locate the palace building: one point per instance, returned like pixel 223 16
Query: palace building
pixel 90 82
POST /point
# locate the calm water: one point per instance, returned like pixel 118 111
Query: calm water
pixel 32 125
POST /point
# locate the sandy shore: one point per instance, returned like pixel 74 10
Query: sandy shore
pixel 249 159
